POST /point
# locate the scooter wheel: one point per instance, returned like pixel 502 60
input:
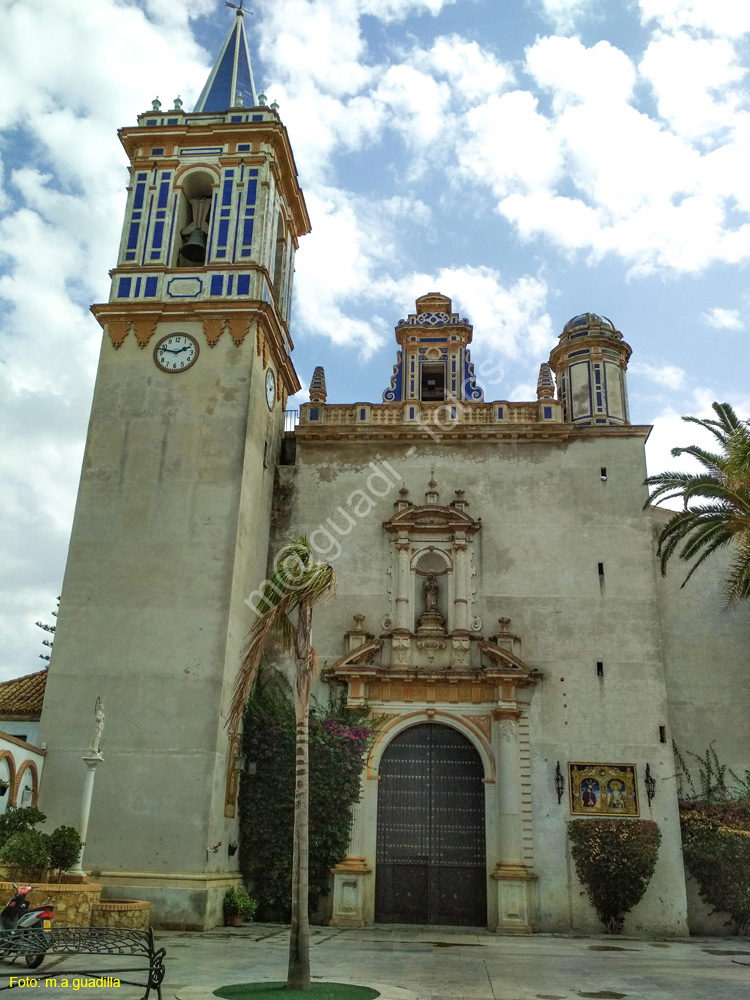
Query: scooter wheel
pixel 34 961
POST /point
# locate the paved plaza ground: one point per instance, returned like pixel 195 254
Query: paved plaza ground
pixel 445 964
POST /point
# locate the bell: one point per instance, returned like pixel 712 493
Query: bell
pixel 195 248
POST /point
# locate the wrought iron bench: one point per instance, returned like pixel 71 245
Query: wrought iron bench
pixel 105 941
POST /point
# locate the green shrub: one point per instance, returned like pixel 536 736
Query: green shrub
pixel 64 848
pixel 19 820
pixel 27 855
pixel 339 742
pixel 238 903
pixel 614 859
pixel 716 850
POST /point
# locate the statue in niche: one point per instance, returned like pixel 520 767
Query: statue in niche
pixel 431 622
pixel 431 593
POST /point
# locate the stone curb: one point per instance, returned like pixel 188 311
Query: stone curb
pixel 386 991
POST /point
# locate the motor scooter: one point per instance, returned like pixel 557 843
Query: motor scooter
pixel 22 924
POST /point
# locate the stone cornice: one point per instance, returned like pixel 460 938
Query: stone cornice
pixel 510 433
pixel 148 314
pixel 428 517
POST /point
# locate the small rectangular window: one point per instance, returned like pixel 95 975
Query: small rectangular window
pixel 603 474
pixel 662 734
pixel 599 668
pixel 265 455
pixel 600 567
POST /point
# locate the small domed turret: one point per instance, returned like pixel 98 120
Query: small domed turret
pixel 590 362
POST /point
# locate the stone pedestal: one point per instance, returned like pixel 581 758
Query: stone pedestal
pixel 515 910
pixel 348 892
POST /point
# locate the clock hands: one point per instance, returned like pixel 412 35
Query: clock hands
pixel 178 351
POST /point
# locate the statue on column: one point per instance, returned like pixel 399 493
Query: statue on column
pixel 96 738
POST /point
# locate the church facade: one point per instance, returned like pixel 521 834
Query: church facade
pixel 499 604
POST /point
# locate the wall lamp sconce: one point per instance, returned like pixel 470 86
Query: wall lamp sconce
pixel 650 784
pixel 240 761
pixel 559 783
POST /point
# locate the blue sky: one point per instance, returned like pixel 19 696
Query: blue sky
pixel 532 159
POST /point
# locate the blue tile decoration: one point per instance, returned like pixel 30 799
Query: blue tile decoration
pixel 243 284
pixel 172 121
pixel 394 393
pixel 231 76
pixel 151 286
pixel 123 288
pixel 140 190
pixel 362 413
pixel 585 350
pixel 547 412
pixel 243 147
pixel 430 319
pixel 230 281
pixel 151 121
pixel 133 235
pixel 137 287
pixel 130 255
pixel 499 413
pixel 257 118
pixel 471 389
pixel 217 284
pixel 313 414
pixel 157 151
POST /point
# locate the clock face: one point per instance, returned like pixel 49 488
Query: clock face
pixel 270 389
pixel 176 352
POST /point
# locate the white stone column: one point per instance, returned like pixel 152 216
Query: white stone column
pixel 513 879
pixel 461 599
pixel 91 762
pixel 403 610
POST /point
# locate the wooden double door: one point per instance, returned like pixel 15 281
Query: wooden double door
pixel 431 866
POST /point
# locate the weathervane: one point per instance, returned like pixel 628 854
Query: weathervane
pixel 237 7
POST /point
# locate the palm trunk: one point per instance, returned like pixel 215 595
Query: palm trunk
pixel 298 974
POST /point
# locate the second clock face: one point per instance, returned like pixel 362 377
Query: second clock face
pixel 270 389
pixel 176 353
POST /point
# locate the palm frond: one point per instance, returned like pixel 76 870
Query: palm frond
pixel 297 576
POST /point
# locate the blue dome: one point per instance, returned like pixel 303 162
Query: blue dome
pixel 589 321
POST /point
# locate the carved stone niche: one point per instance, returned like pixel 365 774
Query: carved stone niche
pixel 433 557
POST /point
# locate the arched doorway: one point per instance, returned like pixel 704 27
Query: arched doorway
pixel 431 866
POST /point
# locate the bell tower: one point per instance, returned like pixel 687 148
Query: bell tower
pixel 173 513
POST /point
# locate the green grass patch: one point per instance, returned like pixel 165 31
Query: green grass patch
pixel 278 991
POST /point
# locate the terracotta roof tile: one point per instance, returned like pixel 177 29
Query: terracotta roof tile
pixel 23 695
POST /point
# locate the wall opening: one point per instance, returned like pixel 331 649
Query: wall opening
pixel 192 224
pixel 432 383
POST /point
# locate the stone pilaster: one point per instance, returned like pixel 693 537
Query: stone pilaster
pixel 513 879
pixel 349 879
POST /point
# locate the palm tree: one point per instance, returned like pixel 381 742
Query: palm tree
pixel 716 502
pixel 297 584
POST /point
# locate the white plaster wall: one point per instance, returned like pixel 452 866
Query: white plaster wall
pixel 171 526
pixel 707 659
pixel 547 521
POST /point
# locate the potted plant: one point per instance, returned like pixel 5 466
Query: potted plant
pixel 238 906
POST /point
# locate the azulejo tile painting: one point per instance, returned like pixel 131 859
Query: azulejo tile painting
pixel 603 789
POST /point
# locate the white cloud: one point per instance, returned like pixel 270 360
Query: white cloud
pixel 692 79
pixel 721 17
pixel 565 13
pixel 669 376
pixel 724 319
pixel 602 74
pixel 473 72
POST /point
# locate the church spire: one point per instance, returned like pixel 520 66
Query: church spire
pixel 230 83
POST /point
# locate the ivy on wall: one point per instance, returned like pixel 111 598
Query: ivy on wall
pixel 715 825
pixel 339 741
